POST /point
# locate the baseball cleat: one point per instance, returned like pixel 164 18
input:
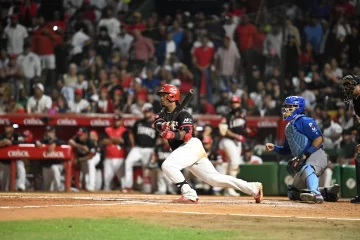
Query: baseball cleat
pixel 311 197
pixel 186 200
pixel 355 200
pixel 259 197
pixel 229 192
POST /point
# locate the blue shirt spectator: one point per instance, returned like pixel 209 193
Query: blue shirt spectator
pixel 313 34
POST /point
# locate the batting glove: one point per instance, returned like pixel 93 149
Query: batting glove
pixel 169 135
pixel 240 138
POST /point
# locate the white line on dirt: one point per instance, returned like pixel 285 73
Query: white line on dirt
pixel 268 216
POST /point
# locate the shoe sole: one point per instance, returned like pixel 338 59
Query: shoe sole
pixel 186 201
pixel 257 200
pixel 310 198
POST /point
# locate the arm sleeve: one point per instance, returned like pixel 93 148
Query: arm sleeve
pixel 185 121
pixel 159 119
pixel 283 150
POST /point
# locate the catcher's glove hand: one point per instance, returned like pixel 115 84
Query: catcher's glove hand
pixel 295 164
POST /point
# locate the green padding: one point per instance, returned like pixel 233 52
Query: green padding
pixel 266 173
pixel 348 181
pixel 285 178
pixel 336 177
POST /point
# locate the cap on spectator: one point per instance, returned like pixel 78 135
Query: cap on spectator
pixel 176 82
pixel 138 80
pixel 13 56
pixel 50 128
pixel 39 86
pixel 207 140
pixel 255 68
pixel 147 107
pixel 141 96
pixel 117 117
pixel 118 92
pixel 225 89
pixel 82 131
pixel 14 17
pixel 79 91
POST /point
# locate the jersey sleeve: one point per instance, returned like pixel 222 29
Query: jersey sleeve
pixel 92 147
pixel 283 150
pixel 309 128
pixel 159 119
pixel 185 122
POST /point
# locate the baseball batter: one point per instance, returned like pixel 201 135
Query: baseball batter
pixel 304 140
pixel 233 129
pixel 143 140
pixel 188 152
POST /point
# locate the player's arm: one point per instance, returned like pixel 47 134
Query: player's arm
pixel 185 130
pixel 283 150
pixel 310 129
pixel 226 132
pixel 91 153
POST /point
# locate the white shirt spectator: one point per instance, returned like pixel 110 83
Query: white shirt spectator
pixel 68 93
pixel 310 99
pixel 31 65
pixel 229 29
pixel 15 38
pixel 100 5
pixel 273 44
pixel 123 43
pixel 78 41
pixel 338 73
pixel 113 26
pixel 136 110
pixel 83 85
pixel 255 160
pixel 332 136
pixel 342 30
pixel 170 48
pixel 79 107
pixel 41 105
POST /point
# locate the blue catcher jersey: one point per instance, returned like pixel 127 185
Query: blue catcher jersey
pixel 299 135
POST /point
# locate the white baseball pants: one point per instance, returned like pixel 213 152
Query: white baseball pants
pixel 192 155
pixel 136 154
pixel 4 177
pixel 21 175
pixel 164 183
pixel 233 151
pixel 98 179
pixel 112 167
pixel 52 177
pixel 89 171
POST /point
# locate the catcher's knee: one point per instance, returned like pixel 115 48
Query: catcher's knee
pixel 306 171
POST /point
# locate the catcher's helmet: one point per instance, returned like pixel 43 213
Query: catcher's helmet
pixel 292 106
pixel 235 99
pixel 174 93
pixel 348 85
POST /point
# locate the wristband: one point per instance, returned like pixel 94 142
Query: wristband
pixel 312 149
pixel 177 135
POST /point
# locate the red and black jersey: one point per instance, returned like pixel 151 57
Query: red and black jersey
pixel 15 138
pixel 236 121
pixel 90 145
pixel 184 121
pixel 145 135
pixel 114 150
pixel 161 152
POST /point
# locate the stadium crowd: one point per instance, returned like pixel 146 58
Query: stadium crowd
pixel 104 56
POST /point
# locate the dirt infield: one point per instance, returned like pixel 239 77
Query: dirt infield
pixel 16 206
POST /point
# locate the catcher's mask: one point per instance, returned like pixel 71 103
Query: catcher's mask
pixel 348 83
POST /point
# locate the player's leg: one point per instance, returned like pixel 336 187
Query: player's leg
pixel 98 179
pixel 357 169
pixel 161 184
pixel 206 172
pixel 90 186
pixel 119 169
pixel 57 169
pixel 232 150
pixel 133 156
pixel 109 173
pixel 325 178
pixel 182 157
pixel 47 178
pixel 294 190
pixel 5 177
pixel 221 168
pixel 145 158
pixel 309 173
pixel 20 167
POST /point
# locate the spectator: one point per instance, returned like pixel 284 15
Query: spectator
pixel 345 118
pixel 186 45
pixel 186 77
pixel 81 83
pixel 269 107
pixel 342 28
pixel 15 34
pixel 309 96
pixel 71 6
pixel 13 76
pixel 235 89
pixel 348 147
pixel 105 104
pixel 229 26
pixel 331 132
pixel 142 48
pixel 79 105
pixel 89 11
pixel 337 72
pixel 123 42
pixel 39 103
pixel 150 82
pixel 154 32
pixel 222 106
pixel 111 23
pixel 14 107
pixel 103 44
pixel 152 99
pixel 259 95
pixel 293 31
pixel 136 108
pixel 313 33
pixel 202 60
pixel 206 107
pixel 165 48
pixel 78 42
pixel 252 82
pixel 61 105
pixel 44 41
pixel 249 157
pixel 177 32
pixel 136 24
pixel 70 78
pixel 27 13
pixel 353 41
pixel 31 65
pixel 273 42
pixel 244 35
pixel 227 60
pixel 4 58
pixel 292 51
pixel 67 92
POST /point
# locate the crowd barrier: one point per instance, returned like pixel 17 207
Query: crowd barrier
pixel 275 178
pixel 32 153
pixel 36 122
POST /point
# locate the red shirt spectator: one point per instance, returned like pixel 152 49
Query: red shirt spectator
pixel 137 25
pixel 44 39
pixel 203 55
pixel 245 34
pixel 27 12
pixel 105 104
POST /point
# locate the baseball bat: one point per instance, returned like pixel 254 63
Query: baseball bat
pixel 183 104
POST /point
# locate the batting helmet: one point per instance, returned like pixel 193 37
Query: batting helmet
pixel 174 93
pixel 235 99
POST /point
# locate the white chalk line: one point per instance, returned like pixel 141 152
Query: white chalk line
pixel 262 215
